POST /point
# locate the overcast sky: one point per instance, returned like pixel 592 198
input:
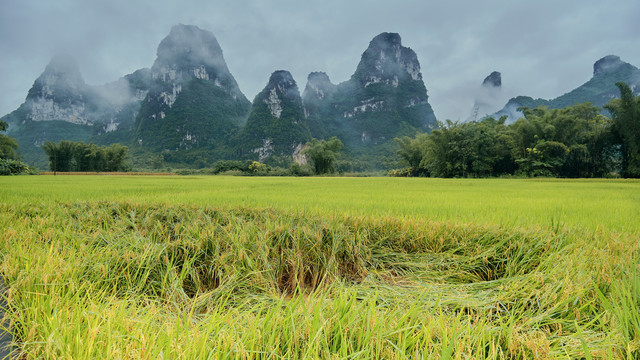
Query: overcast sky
pixel 543 48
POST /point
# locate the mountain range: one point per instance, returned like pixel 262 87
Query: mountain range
pixel 598 90
pixel 187 108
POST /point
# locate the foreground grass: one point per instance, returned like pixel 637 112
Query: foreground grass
pixel 175 272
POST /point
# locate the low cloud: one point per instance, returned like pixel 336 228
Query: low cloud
pixel 543 49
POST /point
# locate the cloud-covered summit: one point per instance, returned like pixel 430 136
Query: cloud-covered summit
pixel 545 53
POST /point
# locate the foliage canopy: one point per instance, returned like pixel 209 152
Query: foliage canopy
pixel 323 154
pixel 79 156
pixel 576 141
pixel 625 113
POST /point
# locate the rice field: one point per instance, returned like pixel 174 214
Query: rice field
pixel 139 267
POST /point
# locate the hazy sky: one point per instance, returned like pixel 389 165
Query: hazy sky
pixel 543 48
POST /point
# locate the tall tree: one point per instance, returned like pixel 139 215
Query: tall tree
pixel 115 157
pixel 323 154
pixel 78 156
pixel 412 150
pixel 60 155
pixel 625 113
pixel 8 146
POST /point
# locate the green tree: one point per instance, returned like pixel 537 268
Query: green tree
pixel 474 149
pixel 115 158
pixel 625 113
pixel 258 168
pixel 571 142
pixel 87 157
pixel 79 156
pixel 412 151
pixel 447 151
pixel 546 158
pixel 60 155
pixel 323 154
pixel 8 145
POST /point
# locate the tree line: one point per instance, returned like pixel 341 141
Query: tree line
pixel 79 156
pixel 576 141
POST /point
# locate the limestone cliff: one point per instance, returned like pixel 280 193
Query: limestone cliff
pixel 385 97
pixel 193 100
pixel 277 124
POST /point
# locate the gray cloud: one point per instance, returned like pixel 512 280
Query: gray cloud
pixel 543 48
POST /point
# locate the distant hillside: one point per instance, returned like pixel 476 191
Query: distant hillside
pixel 385 98
pixel 487 97
pixel 598 90
pixel 193 101
pixel 187 108
pixel 277 125
pixel 60 106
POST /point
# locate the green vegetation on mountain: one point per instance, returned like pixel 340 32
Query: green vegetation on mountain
pixel 277 125
pixel 265 130
pixel 203 116
pixel 602 86
pixel 317 92
pixel 32 135
pixel 385 98
pixel 193 107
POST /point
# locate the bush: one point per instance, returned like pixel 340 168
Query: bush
pixel 278 171
pixel 257 168
pixel 301 170
pixel 404 172
pixel 323 154
pixel 233 173
pixel 222 166
pixel 13 167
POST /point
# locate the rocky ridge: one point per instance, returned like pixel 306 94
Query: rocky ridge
pixel 60 94
pixel 384 98
pixel 57 94
pixel 189 101
pixel 277 125
pixel 488 96
pixel 317 94
pixel 189 67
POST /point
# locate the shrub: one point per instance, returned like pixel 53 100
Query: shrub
pixel 257 168
pixel 301 170
pixel 404 172
pixel 13 167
